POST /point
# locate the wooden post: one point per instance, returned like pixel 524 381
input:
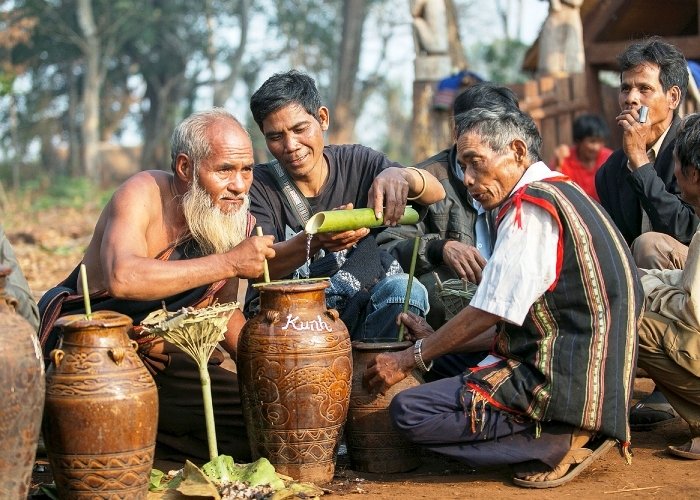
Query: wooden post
pixel 431 129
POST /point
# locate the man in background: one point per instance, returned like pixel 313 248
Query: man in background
pixel 581 161
pixel 669 335
pixel 637 185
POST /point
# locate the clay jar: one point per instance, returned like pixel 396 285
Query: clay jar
pixel 101 412
pixel 21 396
pixel 373 444
pixel 294 372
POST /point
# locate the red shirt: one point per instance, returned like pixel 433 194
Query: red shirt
pixel 578 173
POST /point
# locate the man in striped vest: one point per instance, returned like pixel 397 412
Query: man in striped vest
pixel 561 284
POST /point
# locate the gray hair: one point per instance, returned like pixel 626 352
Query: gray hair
pixel 190 136
pixel 499 126
pixel 687 148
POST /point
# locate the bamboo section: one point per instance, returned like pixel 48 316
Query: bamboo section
pixel 347 220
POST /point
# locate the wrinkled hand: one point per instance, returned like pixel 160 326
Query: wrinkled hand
pixel 634 137
pixel 250 255
pixel 416 326
pixel 387 369
pixel 463 259
pixel 389 191
pixel 335 242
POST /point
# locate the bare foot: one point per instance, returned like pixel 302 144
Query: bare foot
pixel 578 439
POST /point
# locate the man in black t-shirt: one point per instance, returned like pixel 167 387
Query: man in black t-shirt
pixel 367 286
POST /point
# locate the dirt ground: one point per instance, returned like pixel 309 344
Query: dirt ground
pixel 50 244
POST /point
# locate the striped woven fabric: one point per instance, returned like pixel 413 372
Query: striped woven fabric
pixel 573 358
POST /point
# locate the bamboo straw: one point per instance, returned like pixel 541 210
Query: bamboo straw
pixel 86 292
pixel 266 270
pixel 411 272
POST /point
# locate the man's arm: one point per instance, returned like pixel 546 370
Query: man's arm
pixel 667 212
pixel 524 255
pixel 127 254
pixel 675 293
pixel 390 368
pixel 394 184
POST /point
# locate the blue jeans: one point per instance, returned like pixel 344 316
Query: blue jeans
pixel 386 303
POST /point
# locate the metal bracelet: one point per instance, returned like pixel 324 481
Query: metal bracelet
pixel 425 184
pixel 418 357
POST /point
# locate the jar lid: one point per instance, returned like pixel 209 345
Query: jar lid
pixel 99 319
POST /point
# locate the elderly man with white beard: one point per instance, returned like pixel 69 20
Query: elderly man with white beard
pixel 182 239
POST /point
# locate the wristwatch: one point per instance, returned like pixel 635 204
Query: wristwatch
pixel 418 357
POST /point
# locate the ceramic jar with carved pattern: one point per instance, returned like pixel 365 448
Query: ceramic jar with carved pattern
pixel 373 444
pixel 21 396
pixel 101 414
pixel 294 371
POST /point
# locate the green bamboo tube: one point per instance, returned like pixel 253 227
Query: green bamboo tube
pixel 334 221
pixel 411 272
pixel 86 292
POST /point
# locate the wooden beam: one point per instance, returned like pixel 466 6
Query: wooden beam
pixel 596 21
pixel 605 53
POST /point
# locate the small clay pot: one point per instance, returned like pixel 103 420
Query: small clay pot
pixel 373 444
pixel 101 413
pixel 294 371
pixel 21 396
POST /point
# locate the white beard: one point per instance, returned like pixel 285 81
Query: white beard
pixel 214 230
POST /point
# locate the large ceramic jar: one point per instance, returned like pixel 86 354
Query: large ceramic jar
pixel 373 444
pixel 21 396
pixel 101 413
pixel 294 371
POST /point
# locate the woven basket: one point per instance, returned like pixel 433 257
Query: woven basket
pixel 455 294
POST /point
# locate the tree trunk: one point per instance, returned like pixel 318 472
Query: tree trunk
pixel 344 115
pixel 224 88
pixel 157 122
pixel 455 48
pixel 73 139
pixel 90 126
pixel 16 156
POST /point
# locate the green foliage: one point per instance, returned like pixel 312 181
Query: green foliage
pixel 222 470
pixel 500 60
pixel 63 191
pixel 206 482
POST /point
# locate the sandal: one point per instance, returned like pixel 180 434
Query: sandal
pixel 690 450
pixel 580 458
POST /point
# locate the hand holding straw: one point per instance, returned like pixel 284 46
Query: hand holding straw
pixel 86 292
pixel 411 272
pixel 266 271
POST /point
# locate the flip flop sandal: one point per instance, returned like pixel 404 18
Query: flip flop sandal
pixel 581 458
pixel 686 450
pixel 649 416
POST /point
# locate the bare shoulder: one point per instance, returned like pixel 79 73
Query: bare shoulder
pixel 152 185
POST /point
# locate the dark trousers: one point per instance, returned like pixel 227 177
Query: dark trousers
pixel 182 432
pixel 432 415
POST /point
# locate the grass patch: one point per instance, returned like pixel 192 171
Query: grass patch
pixel 62 192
